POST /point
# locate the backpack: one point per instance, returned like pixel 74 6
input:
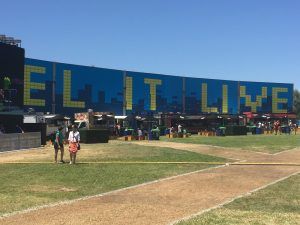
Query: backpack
pixel 53 137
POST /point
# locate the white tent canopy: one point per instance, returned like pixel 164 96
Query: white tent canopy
pixel 120 117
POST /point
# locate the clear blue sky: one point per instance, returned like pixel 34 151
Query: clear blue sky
pixel 254 40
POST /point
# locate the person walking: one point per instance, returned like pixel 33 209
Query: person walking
pixel 59 144
pixel 140 134
pixel 276 126
pixel 179 128
pixel 295 128
pixel 74 139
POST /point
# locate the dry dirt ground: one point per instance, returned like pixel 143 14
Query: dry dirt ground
pixel 168 200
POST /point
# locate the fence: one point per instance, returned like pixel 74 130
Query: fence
pixel 9 142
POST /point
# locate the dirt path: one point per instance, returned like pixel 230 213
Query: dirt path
pixel 168 200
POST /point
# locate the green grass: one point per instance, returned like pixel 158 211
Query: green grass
pixel 132 152
pixel 27 185
pixel 278 204
pixel 262 143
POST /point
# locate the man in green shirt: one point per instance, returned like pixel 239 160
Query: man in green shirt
pixel 59 144
pixel 155 133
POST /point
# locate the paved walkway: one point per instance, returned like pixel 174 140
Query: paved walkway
pixel 168 200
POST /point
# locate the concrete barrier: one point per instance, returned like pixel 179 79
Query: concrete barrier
pixel 9 142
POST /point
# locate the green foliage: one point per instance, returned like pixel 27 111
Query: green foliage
pixel 6 82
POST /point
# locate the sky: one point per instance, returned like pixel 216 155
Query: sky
pixel 248 40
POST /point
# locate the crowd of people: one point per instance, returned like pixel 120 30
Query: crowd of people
pixel 140 133
pixel 177 129
pixel 277 127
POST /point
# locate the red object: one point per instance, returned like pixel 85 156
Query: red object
pixel 251 115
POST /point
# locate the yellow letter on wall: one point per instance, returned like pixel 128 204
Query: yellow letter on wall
pixel 205 108
pixel 128 94
pixel 152 83
pixel 276 100
pixel 67 102
pixel 248 102
pixel 28 85
pixel 225 99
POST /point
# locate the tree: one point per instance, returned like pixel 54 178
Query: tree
pixel 297 102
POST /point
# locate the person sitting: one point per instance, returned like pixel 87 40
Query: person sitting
pixel 2 130
pixel 19 129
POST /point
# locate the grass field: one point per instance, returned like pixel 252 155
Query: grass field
pixel 277 204
pixel 27 185
pixel 261 143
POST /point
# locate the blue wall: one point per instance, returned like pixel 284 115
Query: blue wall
pixel 168 93
pixel 78 88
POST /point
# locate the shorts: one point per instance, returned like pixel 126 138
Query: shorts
pixel 57 146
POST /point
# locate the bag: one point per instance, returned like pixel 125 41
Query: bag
pixel 78 145
pixel 53 137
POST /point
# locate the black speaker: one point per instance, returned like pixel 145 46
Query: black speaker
pixel 11 77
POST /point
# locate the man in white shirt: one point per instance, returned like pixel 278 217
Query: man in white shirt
pixel 179 128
